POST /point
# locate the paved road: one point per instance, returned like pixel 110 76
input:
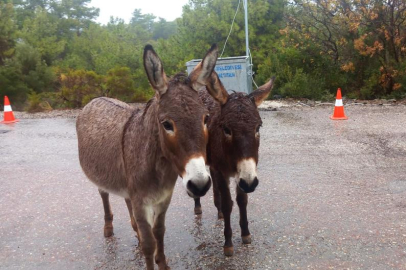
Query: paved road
pixel 332 195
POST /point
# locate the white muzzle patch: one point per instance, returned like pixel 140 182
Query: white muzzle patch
pixel 247 170
pixel 195 171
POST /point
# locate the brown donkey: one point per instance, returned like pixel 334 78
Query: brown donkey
pixel 139 154
pixel 232 151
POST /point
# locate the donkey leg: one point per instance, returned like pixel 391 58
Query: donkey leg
pixel 108 215
pixel 198 207
pixel 216 193
pixel 159 232
pixel 226 207
pixel 143 215
pixel 242 201
pixel 133 222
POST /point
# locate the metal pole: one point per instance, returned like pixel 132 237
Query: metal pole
pixel 246 27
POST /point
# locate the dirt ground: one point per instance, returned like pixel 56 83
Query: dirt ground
pixel 332 195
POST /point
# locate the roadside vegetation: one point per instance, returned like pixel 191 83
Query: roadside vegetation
pixel 54 55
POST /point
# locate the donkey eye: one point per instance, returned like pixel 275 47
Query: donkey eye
pixel 167 125
pixel 227 131
pixel 206 119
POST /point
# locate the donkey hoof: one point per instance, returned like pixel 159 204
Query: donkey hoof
pixel 228 251
pixel 108 231
pixel 220 215
pixel 246 239
pixel 198 210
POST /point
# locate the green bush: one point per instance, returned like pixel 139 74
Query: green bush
pixel 143 90
pixel 34 72
pixel 301 85
pixel 140 97
pixel 120 84
pixel 297 75
pixel 370 87
pixel 33 102
pixel 78 87
pixel 12 86
pixel 37 103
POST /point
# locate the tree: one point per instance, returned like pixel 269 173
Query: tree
pixel 102 48
pixel 205 22
pixel 7 31
pixel 362 37
pixel 41 32
pixel 74 15
pixel 163 29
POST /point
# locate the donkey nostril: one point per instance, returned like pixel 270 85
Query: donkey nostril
pixel 206 187
pixel 191 187
pixel 246 187
pixel 255 183
pixel 198 190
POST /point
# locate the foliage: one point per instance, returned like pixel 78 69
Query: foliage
pixel 79 87
pixel 41 32
pixel 12 86
pixel 120 84
pixel 362 37
pixel 34 72
pixel 53 52
pixel 36 102
pixel 7 31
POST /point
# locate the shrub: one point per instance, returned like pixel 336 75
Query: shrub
pixel 78 87
pixel 12 86
pixel 120 84
pixel 37 102
pixel 301 85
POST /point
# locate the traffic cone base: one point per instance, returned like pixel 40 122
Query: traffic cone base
pixel 8 113
pixel 338 118
pixel 9 122
pixel 339 108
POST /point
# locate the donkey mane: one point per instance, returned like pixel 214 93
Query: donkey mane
pixel 240 105
pixel 126 125
pixel 112 103
pixel 236 95
pixel 179 78
pixel 149 103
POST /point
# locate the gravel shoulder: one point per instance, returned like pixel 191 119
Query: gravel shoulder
pixel 268 105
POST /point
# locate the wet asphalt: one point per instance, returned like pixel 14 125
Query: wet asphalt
pixel 332 195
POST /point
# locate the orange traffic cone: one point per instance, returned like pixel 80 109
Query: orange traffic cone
pixel 339 108
pixel 8 112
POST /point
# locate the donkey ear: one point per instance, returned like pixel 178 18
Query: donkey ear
pixel 204 75
pixel 155 72
pixel 259 95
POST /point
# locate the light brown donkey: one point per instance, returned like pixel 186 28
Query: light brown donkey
pixel 139 154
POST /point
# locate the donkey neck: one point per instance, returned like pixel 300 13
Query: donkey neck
pixel 142 146
pixel 148 125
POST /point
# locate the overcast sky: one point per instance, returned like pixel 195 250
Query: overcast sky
pixel 167 9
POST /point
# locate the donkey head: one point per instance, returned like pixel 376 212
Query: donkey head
pixel 182 119
pixel 240 124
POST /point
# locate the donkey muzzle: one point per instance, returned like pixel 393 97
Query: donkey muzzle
pixel 199 189
pixel 196 179
pixel 248 187
pixel 247 175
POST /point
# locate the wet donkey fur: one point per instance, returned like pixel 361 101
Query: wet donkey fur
pixel 232 151
pixel 139 154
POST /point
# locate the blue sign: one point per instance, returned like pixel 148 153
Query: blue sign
pixel 220 69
